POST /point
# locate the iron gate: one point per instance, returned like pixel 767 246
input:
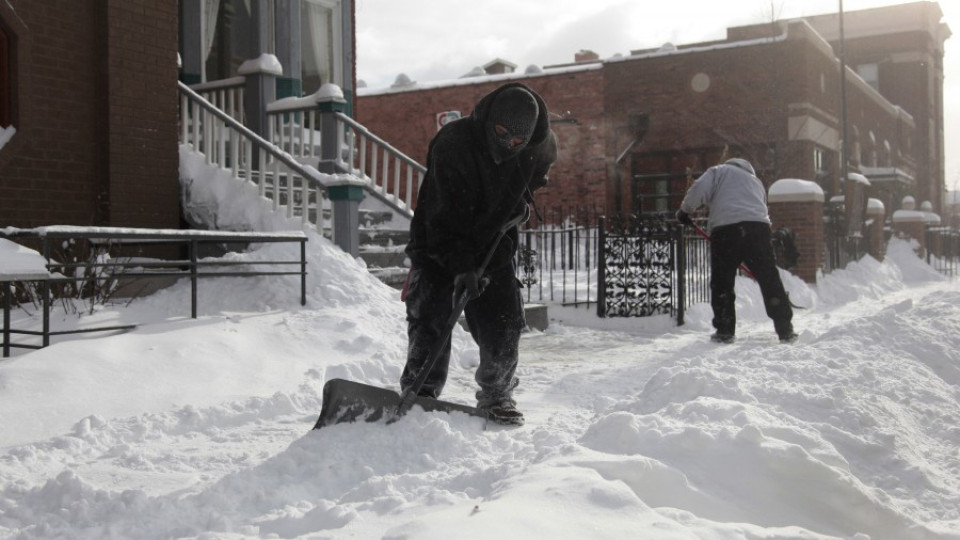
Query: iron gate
pixel 642 268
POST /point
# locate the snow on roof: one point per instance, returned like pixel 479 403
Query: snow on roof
pixel 794 190
pixel 858 178
pixel 465 81
pixel 501 61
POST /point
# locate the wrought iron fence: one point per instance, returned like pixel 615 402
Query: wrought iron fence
pixel 651 266
pixel 841 249
pixel 943 249
pixel 557 259
pixel 627 267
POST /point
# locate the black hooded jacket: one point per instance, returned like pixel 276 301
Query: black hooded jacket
pixel 466 197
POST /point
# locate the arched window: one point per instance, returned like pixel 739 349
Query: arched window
pixel 6 80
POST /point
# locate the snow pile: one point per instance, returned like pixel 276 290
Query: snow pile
pixel 635 428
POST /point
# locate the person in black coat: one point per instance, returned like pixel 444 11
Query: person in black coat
pixel 481 171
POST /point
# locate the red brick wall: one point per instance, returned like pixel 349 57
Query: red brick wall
pixel 95 115
pixel 754 89
pixel 806 220
pixel 142 113
pixel 876 238
pixel 408 121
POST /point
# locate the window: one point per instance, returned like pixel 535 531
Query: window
pixel 230 36
pixel 6 80
pixel 321 50
pixel 871 74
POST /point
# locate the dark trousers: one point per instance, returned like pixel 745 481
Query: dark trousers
pixel 495 320
pixel 747 242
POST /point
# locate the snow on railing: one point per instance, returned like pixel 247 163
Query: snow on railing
pixel 388 168
pixel 225 94
pixel 297 189
pixel 334 142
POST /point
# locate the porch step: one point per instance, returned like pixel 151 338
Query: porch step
pixel 372 236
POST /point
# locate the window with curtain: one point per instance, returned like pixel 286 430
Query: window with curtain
pixel 227 37
pixel 6 80
pixel 321 48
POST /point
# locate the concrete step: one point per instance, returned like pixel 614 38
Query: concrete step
pixel 373 218
pixel 383 257
pixel 370 236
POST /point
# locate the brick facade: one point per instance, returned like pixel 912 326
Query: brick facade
pixel 409 120
pixel 95 109
pixel 805 219
pixel 774 101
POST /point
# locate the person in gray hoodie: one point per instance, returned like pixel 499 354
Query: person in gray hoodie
pixel 481 171
pixel 739 227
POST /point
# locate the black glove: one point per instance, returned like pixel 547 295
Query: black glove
pixel 470 284
pixel 684 218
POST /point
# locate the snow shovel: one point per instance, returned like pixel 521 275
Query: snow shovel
pixel 346 401
pixel 743 267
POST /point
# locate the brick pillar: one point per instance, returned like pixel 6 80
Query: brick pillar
pixel 798 205
pixel 876 214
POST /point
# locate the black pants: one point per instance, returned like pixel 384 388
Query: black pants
pixel 495 320
pixel 747 242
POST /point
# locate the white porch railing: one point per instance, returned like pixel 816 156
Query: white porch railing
pixel 295 189
pixel 226 95
pixel 333 142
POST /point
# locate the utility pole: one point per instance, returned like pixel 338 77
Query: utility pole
pixel 843 102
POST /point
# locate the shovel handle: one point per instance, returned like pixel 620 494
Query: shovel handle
pixel 409 396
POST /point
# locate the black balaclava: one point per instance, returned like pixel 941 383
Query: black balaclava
pixel 515 109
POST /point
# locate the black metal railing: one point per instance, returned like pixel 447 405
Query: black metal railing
pixel 842 248
pixel 557 259
pixel 99 269
pixel 943 249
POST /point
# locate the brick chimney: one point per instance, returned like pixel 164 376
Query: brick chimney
pixel 584 55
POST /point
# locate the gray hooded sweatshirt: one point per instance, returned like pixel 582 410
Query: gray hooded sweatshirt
pixel 732 192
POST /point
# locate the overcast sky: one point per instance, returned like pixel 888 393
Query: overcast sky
pixel 431 40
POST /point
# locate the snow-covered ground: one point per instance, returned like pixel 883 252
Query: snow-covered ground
pixel 635 428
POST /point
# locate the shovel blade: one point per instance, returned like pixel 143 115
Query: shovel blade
pixel 348 401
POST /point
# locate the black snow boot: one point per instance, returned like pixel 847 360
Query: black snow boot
pixel 504 413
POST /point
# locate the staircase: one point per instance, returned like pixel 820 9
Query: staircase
pixel 381 247
pixel 301 177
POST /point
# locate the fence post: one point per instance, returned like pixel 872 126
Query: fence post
pixel 602 268
pixel 260 90
pixel 346 198
pixel 681 246
pixel 329 102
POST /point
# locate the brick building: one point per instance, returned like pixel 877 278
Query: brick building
pixel 634 130
pixel 89 95
pixel 92 96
